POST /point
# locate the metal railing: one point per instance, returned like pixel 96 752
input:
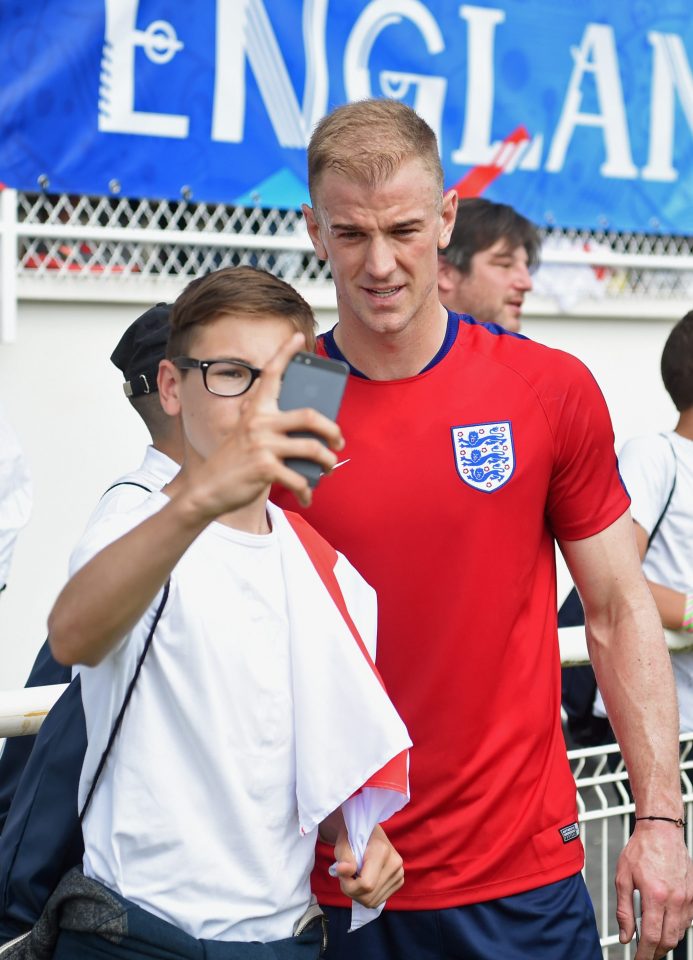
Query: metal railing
pixel 23 711
pixel 605 807
pixel 106 248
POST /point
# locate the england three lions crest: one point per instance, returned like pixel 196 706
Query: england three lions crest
pixel 484 454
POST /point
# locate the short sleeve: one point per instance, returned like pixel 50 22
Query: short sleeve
pixel 105 528
pixel 586 493
pixel 99 535
pixel 648 469
pixel 120 498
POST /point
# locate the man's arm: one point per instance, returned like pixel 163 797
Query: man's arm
pixel 631 662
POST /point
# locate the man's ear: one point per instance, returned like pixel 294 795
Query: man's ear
pixel 447 216
pixel 446 277
pixel 314 231
pixel 168 381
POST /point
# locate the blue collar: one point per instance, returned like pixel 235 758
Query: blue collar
pixel 332 350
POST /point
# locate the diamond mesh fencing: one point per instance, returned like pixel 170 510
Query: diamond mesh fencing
pixel 605 810
pixel 79 237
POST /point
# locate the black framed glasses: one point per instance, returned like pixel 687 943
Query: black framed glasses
pixel 223 378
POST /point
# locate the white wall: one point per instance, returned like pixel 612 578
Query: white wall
pixel 64 398
pixel 624 356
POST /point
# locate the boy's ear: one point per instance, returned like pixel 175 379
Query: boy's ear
pixel 168 381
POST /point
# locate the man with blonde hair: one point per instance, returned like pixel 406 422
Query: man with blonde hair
pixel 469 451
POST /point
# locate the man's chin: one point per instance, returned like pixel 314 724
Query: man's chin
pixel 383 320
pixel 512 322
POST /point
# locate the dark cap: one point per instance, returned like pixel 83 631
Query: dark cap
pixel 141 348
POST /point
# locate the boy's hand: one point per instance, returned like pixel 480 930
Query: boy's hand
pixel 381 875
pixel 252 457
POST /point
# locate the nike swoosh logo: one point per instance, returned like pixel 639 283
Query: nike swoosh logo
pixel 340 464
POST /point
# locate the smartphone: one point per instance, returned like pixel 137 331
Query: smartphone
pixel 317 382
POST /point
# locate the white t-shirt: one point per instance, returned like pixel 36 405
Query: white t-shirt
pixel 648 469
pixel 15 495
pixel 194 817
pixel 156 470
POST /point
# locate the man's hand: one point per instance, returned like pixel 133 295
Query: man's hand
pixel 381 875
pixel 656 862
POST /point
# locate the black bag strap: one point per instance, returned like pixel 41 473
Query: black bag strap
pixel 126 700
pixel 671 493
pixel 126 483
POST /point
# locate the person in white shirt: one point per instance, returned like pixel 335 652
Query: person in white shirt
pixel 137 355
pixel 658 473
pixel 255 715
pixel 15 495
pixel 32 858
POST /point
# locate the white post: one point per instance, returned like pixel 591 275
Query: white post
pixel 8 265
pixel 23 711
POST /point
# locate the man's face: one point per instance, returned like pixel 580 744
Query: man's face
pixel 382 244
pixel 208 419
pixel 494 289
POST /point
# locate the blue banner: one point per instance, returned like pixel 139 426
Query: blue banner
pixel 579 115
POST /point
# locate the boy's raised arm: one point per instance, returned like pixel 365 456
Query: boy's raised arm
pixel 106 598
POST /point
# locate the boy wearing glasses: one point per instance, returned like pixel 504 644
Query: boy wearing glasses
pixel 257 710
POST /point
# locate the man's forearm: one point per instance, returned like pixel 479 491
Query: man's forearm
pixel 634 674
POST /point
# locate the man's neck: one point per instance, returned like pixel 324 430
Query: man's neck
pixel 392 356
pixel 685 425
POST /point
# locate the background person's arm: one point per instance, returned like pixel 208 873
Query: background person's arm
pixel 671 604
pixel 631 662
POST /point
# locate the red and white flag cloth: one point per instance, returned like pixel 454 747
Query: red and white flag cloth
pixel 351 744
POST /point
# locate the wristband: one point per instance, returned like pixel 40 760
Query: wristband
pixel 687 623
pixel 679 822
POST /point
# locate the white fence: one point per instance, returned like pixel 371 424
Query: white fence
pixel 99 248
pixel 604 809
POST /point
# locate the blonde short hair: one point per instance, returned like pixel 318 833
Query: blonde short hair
pixel 367 141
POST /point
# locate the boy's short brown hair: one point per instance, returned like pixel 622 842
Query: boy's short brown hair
pixel 367 141
pixel 244 291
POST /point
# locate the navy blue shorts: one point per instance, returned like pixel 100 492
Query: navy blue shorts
pixel 555 922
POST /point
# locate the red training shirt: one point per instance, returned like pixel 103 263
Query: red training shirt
pixel 453 485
